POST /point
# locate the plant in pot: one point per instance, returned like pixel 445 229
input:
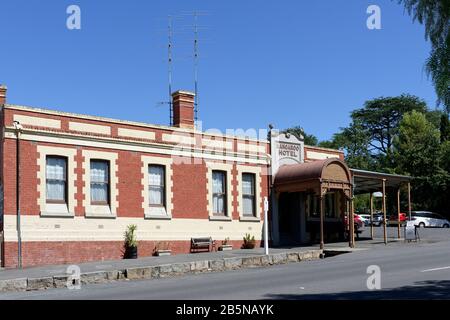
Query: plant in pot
pixel 249 242
pixel 131 250
pixel 226 245
pixel 162 249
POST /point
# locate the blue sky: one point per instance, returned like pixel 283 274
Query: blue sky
pixel 289 63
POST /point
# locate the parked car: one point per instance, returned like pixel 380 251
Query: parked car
pixel 377 219
pixel 429 219
pixel 359 224
pixel 366 219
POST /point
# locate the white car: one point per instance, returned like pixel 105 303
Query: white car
pixel 365 218
pixel 429 219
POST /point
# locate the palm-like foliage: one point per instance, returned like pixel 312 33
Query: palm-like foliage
pixel 434 15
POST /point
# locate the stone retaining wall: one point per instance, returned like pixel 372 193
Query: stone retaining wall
pixel 159 271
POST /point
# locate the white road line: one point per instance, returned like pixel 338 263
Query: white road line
pixel 435 269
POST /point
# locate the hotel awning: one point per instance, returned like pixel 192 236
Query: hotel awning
pixel 370 181
pixel 318 176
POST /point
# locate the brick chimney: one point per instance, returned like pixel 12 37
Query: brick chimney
pixel 183 109
pixel 2 94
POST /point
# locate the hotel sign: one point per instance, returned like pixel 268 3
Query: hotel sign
pixel 285 149
pixel 288 150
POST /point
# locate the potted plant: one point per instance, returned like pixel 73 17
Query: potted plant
pixel 131 250
pixel 162 249
pixel 225 245
pixel 249 241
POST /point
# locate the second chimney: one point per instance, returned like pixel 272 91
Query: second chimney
pixel 2 94
pixel 183 109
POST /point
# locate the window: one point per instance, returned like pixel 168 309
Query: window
pixel 156 186
pixel 219 193
pixel 99 182
pixel 248 194
pixel 56 179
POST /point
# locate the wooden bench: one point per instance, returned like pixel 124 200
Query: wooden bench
pixel 202 243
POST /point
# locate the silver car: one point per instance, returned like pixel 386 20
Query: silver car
pixel 377 219
pixel 429 219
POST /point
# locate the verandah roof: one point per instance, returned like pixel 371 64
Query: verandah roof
pixel 369 181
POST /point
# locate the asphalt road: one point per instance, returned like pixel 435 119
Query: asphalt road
pixel 408 271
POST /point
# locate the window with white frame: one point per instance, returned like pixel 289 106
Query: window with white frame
pixel 219 193
pixel 248 194
pixel 99 182
pixel 156 185
pixel 56 179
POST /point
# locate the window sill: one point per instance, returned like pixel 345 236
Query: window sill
pixel 157 217
pixel 102 215
pixel 220 218
pixel 57 211
pixel 249 219
pixel 46 214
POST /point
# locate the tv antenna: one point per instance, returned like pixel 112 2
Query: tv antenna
pixel 195 67
pixel 169 65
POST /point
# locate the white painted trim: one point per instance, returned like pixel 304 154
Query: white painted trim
pixel 109 143
pixel 94 210
pixel 88 127
pixel 68 153
pixel 258 189
pixel 242 147
pixel 312 155
pixel 229 177
pixel 218 144
pixel 35 228
pixel 150 212
pixel 37 121
pixel 177 138
pixel 125 122
pixel 140 134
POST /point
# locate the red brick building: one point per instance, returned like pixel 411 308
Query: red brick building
pixel 70 184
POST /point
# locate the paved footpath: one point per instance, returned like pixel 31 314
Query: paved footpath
pixel 58 276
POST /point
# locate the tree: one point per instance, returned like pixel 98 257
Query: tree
pixel 355 142
pixel 418 154
pixel 435 14
pixel 417 145
pixel 380 118
pixel 299 132
pixel 445 128
pixel 435 117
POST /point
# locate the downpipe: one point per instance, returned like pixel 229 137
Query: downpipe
pixel 18 129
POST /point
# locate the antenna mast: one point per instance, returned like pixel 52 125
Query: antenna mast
pixel 196 66
pixel 169 66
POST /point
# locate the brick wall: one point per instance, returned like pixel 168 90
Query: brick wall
pixel 189 195
pixel 189 188
pixel 72 252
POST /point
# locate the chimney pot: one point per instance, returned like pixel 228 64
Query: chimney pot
pixel 183 109
pixel 3 90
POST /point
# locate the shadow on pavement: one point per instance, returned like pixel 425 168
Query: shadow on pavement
pixel 430 290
